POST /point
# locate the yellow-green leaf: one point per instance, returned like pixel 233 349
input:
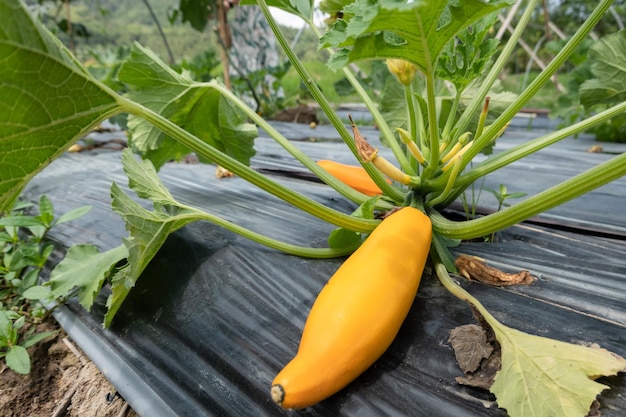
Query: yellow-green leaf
pixel 540 377
pixel 545 377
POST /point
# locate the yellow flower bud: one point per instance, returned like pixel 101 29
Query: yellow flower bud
pixel 403 70
pixel 408 141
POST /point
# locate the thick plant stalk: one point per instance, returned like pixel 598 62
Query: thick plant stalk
pixel 348 192
pixel 516 153
pixel 543 77
pixel 389 190
pixel 545 200
pixel 433 127
pixel 288 248
pixel 412 148
pixel 202 148
pixel 496 69
pixel 456 166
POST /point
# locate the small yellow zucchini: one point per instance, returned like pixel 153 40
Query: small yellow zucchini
pixel 352 175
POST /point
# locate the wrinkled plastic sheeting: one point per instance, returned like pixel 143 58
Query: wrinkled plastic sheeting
pixel 215 316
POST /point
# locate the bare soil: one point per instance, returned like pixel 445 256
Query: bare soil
pixel 62 383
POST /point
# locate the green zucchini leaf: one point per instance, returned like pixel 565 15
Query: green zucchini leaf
pixel 85 267
pixel 392 105
pixel 540 376
pixel 300 8
pixel 147 229
pixel 366 210
pixel 48 99
pixel 342 238
pixel 196 107
pixel 416 32
pixel 195 12
pixel 607 57
pixel 465 57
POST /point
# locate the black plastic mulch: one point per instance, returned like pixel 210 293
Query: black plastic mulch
pixel 215 316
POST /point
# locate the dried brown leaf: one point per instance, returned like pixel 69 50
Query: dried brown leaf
pixel 470 346
pixel 473 267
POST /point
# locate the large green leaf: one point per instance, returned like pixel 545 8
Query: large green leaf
pixel 416 32
pixel 86 268
pixel 196 107
pixel 147 229
pixel 608 66
pixel 333 7
pixel 393 104
pixel 547 377
pixel 47 100
pixel 465 58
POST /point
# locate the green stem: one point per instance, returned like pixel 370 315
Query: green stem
pixel 433 126
pixel 542 78
pixel 454 172
pixel 460 293
pixel 380 121
pixel 288 248
pixel 565 191
pixel 342 188
pixel 496 69
pixel 482 118
pixel 450 122
pixel 412 119
pixel 204 149
pixel 392 192
pixel 518 152
pixel 422 137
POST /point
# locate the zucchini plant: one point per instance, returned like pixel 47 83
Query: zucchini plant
pixel 446 67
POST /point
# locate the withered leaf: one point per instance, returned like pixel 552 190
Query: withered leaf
pixel 473 267
pixel 470 346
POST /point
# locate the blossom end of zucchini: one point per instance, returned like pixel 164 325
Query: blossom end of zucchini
pixel 277 393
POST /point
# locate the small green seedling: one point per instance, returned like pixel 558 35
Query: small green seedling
pixel 502 194
pixel 24 252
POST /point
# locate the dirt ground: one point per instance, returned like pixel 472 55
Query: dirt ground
pixel 62 383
